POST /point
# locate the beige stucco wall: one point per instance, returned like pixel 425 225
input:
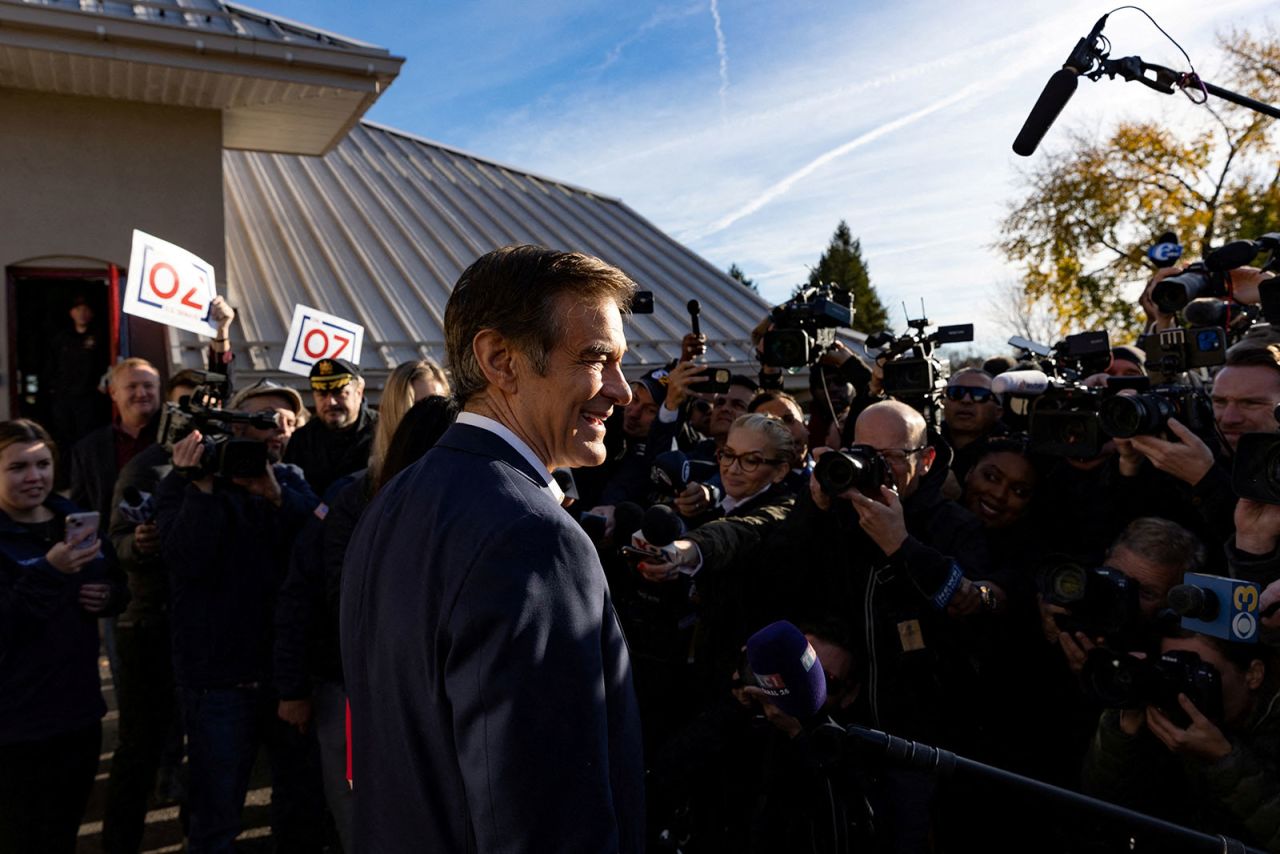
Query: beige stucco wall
pixel 77 175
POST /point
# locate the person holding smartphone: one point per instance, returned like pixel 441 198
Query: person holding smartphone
pixel 56 579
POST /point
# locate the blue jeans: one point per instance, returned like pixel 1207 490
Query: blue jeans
pixel 225 727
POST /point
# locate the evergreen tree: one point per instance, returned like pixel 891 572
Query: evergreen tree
pixel 842 265
pixel 735 272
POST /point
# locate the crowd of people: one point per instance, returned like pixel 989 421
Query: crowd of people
pixel 932 595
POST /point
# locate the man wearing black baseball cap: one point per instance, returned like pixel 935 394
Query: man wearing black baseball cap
pixel 338 440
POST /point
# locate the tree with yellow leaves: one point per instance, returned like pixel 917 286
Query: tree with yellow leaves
pixel 1091 210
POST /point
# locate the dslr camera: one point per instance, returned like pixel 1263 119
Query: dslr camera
pixel 222 454
pixel 1255 474
pixel 805 326
pixel 1121 681
pixel 1147 413
pixel 1101 602
pixel 859 467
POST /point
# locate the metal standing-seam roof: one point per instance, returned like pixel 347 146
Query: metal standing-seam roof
pixel 378 230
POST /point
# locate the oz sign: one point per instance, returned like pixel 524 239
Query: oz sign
pixel 169 285
pixel 315 335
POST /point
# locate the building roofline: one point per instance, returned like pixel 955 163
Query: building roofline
pixel 413 137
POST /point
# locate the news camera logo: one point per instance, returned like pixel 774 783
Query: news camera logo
pixel 1165 253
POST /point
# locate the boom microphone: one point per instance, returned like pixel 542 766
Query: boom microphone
pixel 1059 89
pixel 1024 383
pixel 787 669
pixel 627 518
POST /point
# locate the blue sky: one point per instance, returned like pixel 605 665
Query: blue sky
pixel 748 129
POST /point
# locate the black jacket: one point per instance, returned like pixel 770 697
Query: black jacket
pixel 226 552
pixel 148 580
pixel 48 643
pixel 914 661
pixel 325 455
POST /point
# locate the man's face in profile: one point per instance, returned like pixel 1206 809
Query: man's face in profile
pixel 562 412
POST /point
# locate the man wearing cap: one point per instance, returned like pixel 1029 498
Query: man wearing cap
pixel 1127 361
pixel 225 542
pixel 75 362
pixel 490 685
pixel 339 439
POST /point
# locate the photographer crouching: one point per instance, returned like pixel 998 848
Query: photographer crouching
pixel 228 514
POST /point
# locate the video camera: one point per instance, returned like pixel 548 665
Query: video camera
pixel 1121 681
pixel 911 371
pixel 222 454
pixel 1171 352
pixel 1208 279
pixel 805 326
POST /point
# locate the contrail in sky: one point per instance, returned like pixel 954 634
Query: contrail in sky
pixel 723 53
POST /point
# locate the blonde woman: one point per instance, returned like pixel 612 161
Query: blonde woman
pixel 407 384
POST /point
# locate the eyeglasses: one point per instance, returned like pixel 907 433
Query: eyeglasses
pixel 747 462
pixel 960 392
pixel 899 455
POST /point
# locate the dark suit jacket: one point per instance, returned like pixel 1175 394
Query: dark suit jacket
pixel 490 685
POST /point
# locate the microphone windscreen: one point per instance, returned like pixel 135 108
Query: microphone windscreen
pixel 661 525
pixel 1205 311
pixel 1237 253
pixel 670 471
pixel 786 668
pixel 627 517
pixel 1025 383
pixel 1059 89
pixel 132 496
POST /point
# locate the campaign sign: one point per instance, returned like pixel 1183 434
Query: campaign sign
pixel 314 335
pixel 169 285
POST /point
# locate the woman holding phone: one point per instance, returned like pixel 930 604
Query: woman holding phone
pixel 55 581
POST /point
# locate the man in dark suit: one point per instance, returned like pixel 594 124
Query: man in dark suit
pixel 490 686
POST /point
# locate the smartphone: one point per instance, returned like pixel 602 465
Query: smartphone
pixel 636 556
pixel 82 529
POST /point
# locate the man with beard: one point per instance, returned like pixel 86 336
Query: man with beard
pixel 338 440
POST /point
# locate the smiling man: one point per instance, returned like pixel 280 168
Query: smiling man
pixel 490 687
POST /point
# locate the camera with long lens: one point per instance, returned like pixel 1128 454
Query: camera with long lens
pixel 805 326
pixel 1100 601
pixel 1208 278
pixel 859 467
pixel 1147 413
pixel 222 454
pixel 911 371
pixel 1122 681
pixel 1255 473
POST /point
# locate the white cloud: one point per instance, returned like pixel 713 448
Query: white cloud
pixel 722 54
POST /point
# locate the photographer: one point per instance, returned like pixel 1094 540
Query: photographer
pixel 225 541
pixel 1245 393
pixel 900 566
pixel 1215 774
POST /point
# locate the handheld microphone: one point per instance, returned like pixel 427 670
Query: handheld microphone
pixel 1059 89
pixel 786 667
pixel 694 310
pixel 1225 608
pixel 661 525
pixel 627 518
pixel 672 470
pixel 137 506
pixel 1022 383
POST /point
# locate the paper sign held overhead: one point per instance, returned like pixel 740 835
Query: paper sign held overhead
pixel 315 335
pixel 169 285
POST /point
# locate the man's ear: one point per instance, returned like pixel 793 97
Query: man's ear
pixel 927 456
pixel 1254 676
pixel 497 359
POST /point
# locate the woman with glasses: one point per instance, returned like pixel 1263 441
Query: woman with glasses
pixel 717 552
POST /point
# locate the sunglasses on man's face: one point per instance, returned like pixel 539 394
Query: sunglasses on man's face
pixel 960 392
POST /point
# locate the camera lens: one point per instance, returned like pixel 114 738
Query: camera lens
pixel 1126 416
pixel 1067 584
pixel 856 468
